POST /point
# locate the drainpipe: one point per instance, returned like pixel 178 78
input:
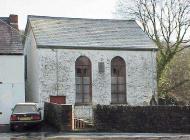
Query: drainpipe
pixel 153 82
pixel 57 72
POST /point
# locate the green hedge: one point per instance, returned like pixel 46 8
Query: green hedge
pixel 142 118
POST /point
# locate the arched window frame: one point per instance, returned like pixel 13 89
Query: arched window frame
pixel 118 81
pixel 83 79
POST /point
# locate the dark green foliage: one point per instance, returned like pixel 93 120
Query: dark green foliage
pixel 142 118
pixel 167 100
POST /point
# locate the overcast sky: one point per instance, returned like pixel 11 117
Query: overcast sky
pixel 63 8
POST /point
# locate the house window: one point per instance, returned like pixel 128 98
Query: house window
pixel 118 81
pixel 83 80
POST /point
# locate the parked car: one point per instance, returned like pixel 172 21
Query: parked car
pixel 25 114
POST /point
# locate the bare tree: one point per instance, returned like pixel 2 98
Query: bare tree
pixel 166 22
pixel 177 78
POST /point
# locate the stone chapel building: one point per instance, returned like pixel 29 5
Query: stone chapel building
pixel 85 62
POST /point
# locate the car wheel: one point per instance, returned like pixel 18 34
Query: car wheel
pixel 12 127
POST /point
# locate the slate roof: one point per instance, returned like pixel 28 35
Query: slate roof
pixel 10 40
pixel 88 33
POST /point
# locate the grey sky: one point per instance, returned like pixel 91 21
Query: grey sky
pixel 64 8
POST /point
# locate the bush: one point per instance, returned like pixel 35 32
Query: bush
pixel 142 118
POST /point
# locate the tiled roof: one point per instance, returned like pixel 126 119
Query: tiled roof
pixel 10 40
pixel 88 33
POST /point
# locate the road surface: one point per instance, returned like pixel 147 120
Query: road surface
pixel 91 136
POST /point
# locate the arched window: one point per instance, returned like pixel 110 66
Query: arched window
pixel 118 80
pixel 83 80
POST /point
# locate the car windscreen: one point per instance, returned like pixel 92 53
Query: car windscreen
pixel 24 108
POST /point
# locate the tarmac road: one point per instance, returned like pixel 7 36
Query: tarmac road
pixel 91 136
pixel 49 133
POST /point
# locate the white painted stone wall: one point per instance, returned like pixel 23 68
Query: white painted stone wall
pixel 12 88
pixel 12 68
pixel 60 72
pixel 52 72
pixel 32 80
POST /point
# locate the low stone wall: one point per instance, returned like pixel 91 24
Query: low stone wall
pixel 59 116
pixel 142 118
pixel 83 112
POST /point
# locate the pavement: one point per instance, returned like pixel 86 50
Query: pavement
pixel 121 136
pixel 92 136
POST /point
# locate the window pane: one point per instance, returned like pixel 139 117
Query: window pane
pixel 86 89
pixel 121 71
pixel 86 80
pixel 121 88
pixel 114 71
pixel 78 88
pixel 121 80
pixel 121 98
pixel 114 98
pixel 78 80
pixel 78 71
pixel 79 98
pixel 86 98
pixel 114 80
pixel 85 72
pixel 114 88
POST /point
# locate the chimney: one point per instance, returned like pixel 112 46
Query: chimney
pixel 13 20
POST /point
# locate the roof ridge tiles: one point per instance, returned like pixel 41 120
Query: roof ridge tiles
pixel 79 18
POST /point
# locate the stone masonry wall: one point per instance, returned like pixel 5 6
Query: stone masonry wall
pixel 57 76
pixel 32 64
